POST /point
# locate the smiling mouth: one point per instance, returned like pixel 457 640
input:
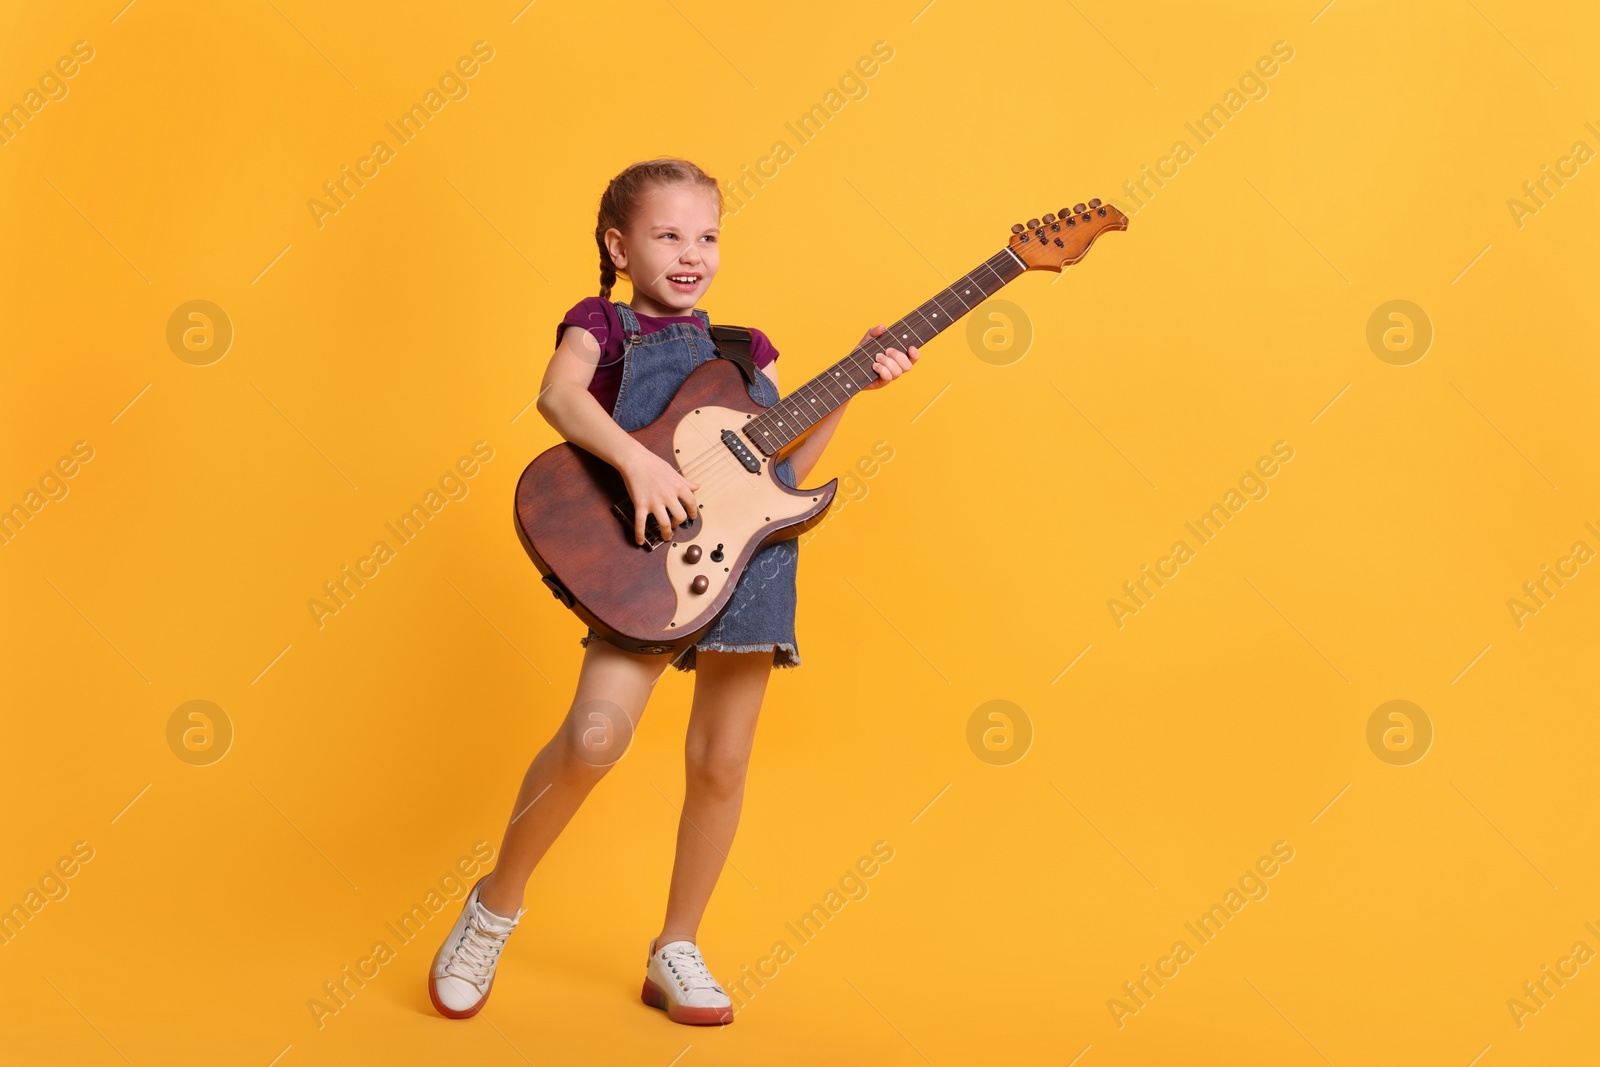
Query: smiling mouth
pixel 689 280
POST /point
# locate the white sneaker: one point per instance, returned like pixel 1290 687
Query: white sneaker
pixel 463 968
pixel 677 980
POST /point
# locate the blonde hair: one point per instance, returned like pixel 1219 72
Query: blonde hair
pixel 621 198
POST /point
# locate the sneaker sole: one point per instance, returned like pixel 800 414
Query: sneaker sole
pixel 652 995
pixel 433 990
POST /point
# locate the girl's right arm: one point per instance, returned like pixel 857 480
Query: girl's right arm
pixel 654 485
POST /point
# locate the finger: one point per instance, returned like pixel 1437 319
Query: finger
pixel 640 517
pixel 663 522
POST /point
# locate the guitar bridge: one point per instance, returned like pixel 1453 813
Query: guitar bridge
pixel 740 452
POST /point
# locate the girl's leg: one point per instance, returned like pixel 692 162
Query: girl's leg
pixel 613 687
pixel 722 726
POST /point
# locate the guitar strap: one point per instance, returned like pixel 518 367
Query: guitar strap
pixel 733 343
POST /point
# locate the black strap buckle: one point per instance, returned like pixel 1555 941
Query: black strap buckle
pixel 733 343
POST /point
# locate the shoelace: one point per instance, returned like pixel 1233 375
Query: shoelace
pixel 476 952
pixel 690 969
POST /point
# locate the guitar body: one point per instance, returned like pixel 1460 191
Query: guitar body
pixel 575 519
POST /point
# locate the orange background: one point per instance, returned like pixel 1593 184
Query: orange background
pixel 1040 859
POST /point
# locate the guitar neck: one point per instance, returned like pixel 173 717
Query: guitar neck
pixel 792 415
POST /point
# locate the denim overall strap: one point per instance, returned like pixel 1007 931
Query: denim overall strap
pixel 630 322
pixel 630 325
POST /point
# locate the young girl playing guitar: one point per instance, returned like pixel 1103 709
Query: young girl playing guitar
pixel 615 368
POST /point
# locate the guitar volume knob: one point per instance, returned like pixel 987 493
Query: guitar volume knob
pixel 700 583
pixel 691 554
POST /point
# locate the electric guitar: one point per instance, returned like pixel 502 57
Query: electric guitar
pixel 576 520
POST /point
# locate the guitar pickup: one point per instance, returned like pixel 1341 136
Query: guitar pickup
pixel 740 452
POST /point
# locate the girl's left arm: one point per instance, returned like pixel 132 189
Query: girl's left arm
pixel 890 365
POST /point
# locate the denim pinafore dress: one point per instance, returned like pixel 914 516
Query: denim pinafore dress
pixel 760 615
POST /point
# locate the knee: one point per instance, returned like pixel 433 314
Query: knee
pixel 718 770
pixel 591 741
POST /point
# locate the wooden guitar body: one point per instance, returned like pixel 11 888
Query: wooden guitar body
pixel 574 518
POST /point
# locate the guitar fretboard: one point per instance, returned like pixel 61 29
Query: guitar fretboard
pixel 792 415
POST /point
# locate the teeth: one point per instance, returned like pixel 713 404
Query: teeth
pixel 684 278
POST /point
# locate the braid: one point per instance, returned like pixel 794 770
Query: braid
pixel 622 195
pixel 608 270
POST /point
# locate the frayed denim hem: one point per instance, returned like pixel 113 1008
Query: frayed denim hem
pixel 783 653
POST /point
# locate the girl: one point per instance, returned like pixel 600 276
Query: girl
pixel 615 368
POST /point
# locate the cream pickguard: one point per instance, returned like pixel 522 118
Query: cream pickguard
pixel 736 506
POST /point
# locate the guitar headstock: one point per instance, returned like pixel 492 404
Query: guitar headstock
pixel 1052 243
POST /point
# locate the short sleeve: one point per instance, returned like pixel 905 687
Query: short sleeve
pixel 595 314
pixel 761 350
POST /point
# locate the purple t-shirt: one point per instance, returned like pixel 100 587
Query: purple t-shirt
pixel 599 316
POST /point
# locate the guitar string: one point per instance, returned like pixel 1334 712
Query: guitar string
pixel 716 465
pixel 718 455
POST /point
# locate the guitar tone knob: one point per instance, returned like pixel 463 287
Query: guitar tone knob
pixel 699 584
pixel 691 554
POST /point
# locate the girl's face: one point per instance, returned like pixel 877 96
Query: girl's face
pixel 670 249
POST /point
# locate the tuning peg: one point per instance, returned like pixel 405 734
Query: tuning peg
pixel 1048 219
pixel 1094 203
pixel 1033 224
pixel 1017 227
pixel 1078 209
pixel 1063 213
